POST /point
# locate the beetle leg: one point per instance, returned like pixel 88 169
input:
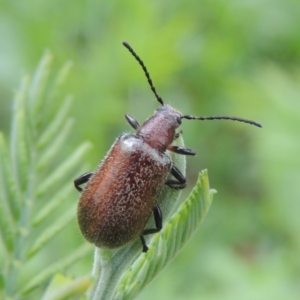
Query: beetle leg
pixel 181 150
pixel 133 122
pixel 158 221
pixel 158 224
pixel 179 183
pixel 82 179
pixel 145 248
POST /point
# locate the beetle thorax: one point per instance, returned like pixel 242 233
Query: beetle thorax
pixel 159 130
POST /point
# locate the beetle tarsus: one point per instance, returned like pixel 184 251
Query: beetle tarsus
pixel 84 178
pixel 158 224
pixel 158 221
pixel 145 248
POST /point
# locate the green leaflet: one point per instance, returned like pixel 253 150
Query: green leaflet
pixel 163 248
pixel 34 180
pixel 166 245
pixel 54 268
pixel 7 225
pixel 62 287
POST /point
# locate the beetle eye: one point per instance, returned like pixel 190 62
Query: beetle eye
pixel 178 119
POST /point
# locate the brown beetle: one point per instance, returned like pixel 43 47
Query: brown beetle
pixel 121 194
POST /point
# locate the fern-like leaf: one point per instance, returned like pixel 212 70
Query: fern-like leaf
pixel 121 274
pixel 33 180
pixel 166 245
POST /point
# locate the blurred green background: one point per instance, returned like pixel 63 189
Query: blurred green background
pixel 206 58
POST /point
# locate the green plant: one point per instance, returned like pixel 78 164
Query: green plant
pixel 34 184
pixel 120 274
pixel 34 181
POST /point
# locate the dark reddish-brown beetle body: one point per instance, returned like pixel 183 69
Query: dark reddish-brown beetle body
pixel 121 194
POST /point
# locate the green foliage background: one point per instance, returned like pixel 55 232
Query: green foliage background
pixel 206 58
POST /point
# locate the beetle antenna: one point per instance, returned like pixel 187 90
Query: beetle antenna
pixel 159 99
pixel 222 118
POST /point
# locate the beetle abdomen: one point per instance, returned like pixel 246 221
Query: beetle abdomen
pixel 118 199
